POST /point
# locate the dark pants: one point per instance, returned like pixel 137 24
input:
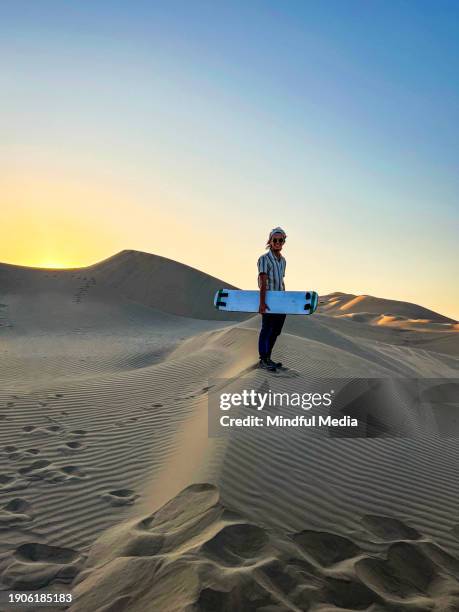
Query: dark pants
pixel 271 327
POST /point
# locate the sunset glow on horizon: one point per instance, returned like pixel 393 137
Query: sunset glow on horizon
pixel 190 130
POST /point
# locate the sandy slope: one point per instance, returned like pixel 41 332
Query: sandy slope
pixel 197 554
pixel 377 311
pixel 103 407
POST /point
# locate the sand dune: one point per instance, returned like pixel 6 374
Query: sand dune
pixel 103 407
pixel 378 311
pixel 184 291
pixel 197 554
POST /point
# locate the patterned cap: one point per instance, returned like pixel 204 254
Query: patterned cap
pixel 277 230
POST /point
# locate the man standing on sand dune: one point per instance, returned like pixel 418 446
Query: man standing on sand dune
pixel 271 272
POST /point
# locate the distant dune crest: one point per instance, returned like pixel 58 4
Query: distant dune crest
pixel 179 289
pixel 380 311
pixel 147 279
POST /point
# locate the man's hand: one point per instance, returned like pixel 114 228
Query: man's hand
pixel 263 307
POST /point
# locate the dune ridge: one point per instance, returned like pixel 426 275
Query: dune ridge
pixel 136 275
pixel 379 311
pixel 103 406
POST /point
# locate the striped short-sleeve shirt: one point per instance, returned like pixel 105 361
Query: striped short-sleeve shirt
pixel 274 268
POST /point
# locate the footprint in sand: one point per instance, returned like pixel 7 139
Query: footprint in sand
pixel 73 471
pixel 441 557
pixel 68 473
pixel 11 482
pixel 17 505
pixel 3 417
pixel 15 456
pixel 348 594
pixel 389 528
pixel 78 432
pixel 36 465
pixel 35 565
pixel 237 544
pixel 73 445
pixel 326 548
pixel 13 453
pixel 70 447
pixel 9 404
pixel 52 429
pixel 6 479
pixel 59 476
pixel 120 497
pixel 43 469
pixel 15 512
pixel 407 573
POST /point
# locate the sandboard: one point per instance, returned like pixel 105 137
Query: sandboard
pixel 287 302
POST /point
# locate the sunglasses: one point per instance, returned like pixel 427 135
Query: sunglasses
pixel 277 240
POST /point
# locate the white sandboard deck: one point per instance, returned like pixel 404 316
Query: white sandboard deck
pixel 287 302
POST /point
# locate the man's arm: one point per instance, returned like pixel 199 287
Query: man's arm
pixel 263 283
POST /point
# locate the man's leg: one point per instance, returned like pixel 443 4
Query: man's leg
pixel 278 324
pixel 264 340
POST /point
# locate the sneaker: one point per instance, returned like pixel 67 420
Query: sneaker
pixel 276 364
pixel 267 364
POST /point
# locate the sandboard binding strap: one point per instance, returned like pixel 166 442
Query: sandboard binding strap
pixel 312 303
pixel 221 294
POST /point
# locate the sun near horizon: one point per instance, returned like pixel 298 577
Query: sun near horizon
pixel 124 127
pixel 55 263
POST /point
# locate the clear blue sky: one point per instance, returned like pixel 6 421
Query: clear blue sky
pixel 189 129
